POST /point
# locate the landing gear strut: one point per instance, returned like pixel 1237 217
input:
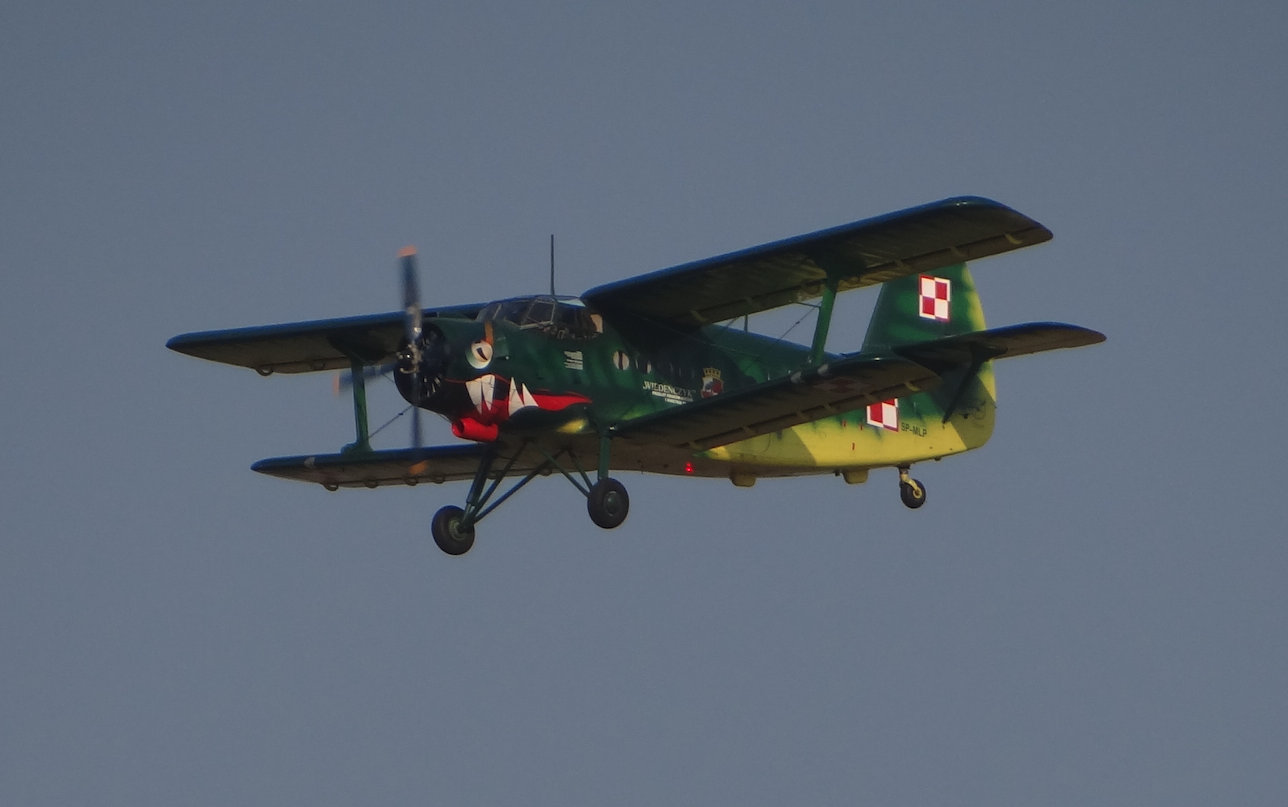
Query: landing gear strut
pixel 912 492
pixel 606 499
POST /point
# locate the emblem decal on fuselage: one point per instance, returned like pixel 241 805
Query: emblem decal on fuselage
pixel 711 383
pixel 573 360
pixel 934 299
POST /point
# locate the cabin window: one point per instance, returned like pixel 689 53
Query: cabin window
pixel 505 311
pixel 552 317
pixel 540 315
pixel 574 322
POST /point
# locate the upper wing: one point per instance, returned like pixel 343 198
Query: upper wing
pixel 999 343
pixel 371 469
pixel 830 389
pixel 919 239
pixel 302 347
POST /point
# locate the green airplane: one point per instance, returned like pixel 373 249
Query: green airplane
pixel 656 374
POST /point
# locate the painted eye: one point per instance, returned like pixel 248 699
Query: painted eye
pixel 480 355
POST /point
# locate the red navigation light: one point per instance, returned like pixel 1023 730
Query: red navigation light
pixel 688 467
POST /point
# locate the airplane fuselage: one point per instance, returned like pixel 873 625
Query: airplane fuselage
pixel 521 378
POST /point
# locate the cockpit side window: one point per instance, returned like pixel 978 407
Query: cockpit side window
pixel 575 322
pixel 514 311
pixel 540 315
pixel 547 315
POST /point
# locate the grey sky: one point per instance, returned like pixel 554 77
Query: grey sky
pixel 1089 610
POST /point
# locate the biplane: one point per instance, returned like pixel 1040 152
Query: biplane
pixel 654 373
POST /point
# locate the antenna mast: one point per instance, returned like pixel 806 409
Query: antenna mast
pixel 552 264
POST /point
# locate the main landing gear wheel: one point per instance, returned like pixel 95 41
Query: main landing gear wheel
pixel 608 503
pixel 447 531
pixel 911 491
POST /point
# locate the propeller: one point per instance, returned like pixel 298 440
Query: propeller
pixel 343 380
pixel 420 364
pixel 413 327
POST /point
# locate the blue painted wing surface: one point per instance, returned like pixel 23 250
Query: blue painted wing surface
pixel 919 239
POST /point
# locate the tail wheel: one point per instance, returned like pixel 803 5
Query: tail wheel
pixel 448 533
pixel 608 503
pixel 912 492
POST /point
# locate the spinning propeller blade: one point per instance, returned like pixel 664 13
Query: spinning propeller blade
pixel 343 379
pixel 413 326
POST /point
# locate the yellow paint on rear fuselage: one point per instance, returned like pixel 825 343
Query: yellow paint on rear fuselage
pixel 849 441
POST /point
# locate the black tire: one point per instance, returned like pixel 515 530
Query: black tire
pixel 608 503
pixel 446 528
pixel 913 493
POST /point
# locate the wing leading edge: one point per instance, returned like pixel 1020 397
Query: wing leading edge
pixel 919 239
pixel 370 469
pixel 305 347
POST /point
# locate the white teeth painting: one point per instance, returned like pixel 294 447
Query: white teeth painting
pixel 475 388
pixel 516 397
pixel 482 392
pixel 520 397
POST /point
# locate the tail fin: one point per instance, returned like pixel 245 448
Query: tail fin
pixel 919 308
pixel 922 308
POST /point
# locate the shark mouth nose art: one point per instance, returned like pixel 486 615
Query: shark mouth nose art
pixel 497 399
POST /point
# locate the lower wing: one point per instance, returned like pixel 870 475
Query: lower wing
pixel 801 397
pixel 370 469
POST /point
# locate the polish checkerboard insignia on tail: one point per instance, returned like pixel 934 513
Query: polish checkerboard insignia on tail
pixel 918 308
pixel 936 294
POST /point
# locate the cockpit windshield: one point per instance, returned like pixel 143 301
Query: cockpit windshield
pixel 557 318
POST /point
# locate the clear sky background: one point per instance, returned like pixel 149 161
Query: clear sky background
pixel 1089 610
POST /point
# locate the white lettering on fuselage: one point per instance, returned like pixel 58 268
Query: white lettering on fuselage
pixel 669 393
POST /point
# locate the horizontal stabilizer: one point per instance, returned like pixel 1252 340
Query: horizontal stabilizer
pixel 833 388
pixel 372 469
pixel 919 239
pixel 304 347
pixel 998 343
